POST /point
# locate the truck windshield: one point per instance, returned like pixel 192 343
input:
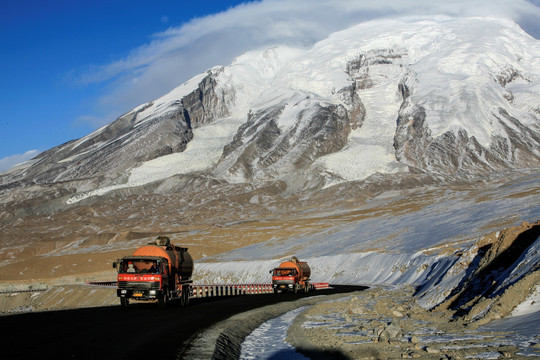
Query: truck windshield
pixel 284 272
pixel 139 267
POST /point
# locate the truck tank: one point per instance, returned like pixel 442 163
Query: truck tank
pixel 302 267
pixel 180 261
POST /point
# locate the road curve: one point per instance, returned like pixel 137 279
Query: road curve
pixel 141 331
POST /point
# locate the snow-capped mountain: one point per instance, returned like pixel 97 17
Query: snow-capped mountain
pixel 441 96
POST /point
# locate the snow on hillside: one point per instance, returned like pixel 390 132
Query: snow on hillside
pixel 459 70
pixel 162 105
pixel 452 65
pixel 370 147
pixel 202 152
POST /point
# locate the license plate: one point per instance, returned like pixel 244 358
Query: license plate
pixel 137 295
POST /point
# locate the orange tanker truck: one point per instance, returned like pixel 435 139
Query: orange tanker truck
pixel 158 271
pixel 292 276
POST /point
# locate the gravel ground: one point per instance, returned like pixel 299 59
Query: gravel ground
pixel 387 324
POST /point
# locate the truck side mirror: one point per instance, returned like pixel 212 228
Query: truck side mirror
pixel 114 264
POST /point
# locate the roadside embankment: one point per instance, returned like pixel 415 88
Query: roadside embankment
pixel 388 324
pixel 497 274
pixel 43 297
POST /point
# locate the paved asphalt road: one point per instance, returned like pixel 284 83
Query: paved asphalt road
pixel 142 331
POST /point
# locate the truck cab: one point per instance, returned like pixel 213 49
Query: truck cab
pixel 142 278
pixel 284 279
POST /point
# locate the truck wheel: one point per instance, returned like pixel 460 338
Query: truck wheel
pixel 164 298
pixel 184 298
pixel 124 302
pixel 181 300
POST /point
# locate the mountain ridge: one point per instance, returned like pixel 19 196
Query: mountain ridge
pixel 440 96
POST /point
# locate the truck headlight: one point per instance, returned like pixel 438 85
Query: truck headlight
pixel 123 291
pixel 290 285
pixel 152 292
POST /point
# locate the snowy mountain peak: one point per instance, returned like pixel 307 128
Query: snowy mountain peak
pixel 440 95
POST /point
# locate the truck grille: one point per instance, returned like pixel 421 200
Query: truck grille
pixel 138 285
pixel 282 282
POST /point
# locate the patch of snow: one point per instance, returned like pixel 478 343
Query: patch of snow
pixel 268 340
pixel 485 355
pixel 82 140
pixel 370 147
pixel 524 330
pixel 160 106
pixel 530 306
pixel 201 154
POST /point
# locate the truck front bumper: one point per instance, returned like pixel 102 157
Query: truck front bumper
pixel 283 286
pixel 138 294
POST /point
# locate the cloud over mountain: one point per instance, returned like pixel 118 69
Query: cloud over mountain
pixel 8 162
pixel 179 53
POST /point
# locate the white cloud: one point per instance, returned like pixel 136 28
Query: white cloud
pixel 178 54
pixel 10 161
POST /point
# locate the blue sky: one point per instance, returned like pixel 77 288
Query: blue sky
pixel 48 46
pixel 69 67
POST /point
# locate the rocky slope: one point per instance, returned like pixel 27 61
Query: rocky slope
pixel 388 324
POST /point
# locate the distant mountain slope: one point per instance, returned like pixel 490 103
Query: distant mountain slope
pixel 441 96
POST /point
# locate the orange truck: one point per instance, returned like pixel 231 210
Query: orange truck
pixel 292 275
pixel 158 271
